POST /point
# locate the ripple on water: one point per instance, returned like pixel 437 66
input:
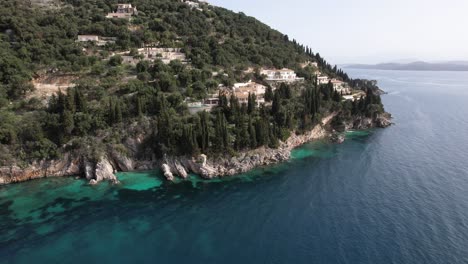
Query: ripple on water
pixel 318 149
pixel 140 181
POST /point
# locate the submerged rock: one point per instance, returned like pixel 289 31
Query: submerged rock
pixel 337 138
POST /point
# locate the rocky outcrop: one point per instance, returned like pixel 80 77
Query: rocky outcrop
pixel 384 120
pixel 167 172
pixel 221 166
pixel 361 123
pixel 105 171
pixel 67 166
pixel 88 168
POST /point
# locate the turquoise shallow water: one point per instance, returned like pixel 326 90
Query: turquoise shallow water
pixel 397 195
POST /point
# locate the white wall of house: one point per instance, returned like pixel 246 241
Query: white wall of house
pixel 85 38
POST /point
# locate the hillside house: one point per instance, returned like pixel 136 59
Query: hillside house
pixel 340 86
pixel 194 5
pixel 99 41
pixel 127 9
pixel 166 55
pixel 322 79
pixel 124 11
pixel 283 75
pixel 126 59
pixel 86 38
pixel 213 100
pixel 242 91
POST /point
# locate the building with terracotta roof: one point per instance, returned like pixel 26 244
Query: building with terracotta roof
pixel 243 90
pixel 340 86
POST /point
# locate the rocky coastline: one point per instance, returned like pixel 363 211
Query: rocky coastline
pixel 104 168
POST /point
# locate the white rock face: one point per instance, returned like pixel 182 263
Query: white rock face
pixel 105 171
pixel 93 182
pixel 88 170
pixel 167 172
pixel 123 163
pixel 180 169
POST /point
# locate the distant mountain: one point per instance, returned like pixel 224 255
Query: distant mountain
pixel 415 66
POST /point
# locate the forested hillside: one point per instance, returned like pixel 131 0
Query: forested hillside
pixel 110 100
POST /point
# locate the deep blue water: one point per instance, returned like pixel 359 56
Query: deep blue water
pixel 398 195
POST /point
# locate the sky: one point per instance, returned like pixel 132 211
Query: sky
pixel 368 31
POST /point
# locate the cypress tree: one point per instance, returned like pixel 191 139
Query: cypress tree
pixel 252 134
pixel 68 122
pixel 336 96
pixel 234 107
pixel 269 94
pixel 139 107
pixel 111 113
pixel 118 112
pixel 251 103
pixel 262 132
pixel 61 102
pixel 275 108
pixel 221 132
pixel 80 101
pixel 204 131
pixel 70 101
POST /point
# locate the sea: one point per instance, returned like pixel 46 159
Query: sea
pixel 394 195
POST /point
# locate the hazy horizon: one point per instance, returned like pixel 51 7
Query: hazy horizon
pixel 368 31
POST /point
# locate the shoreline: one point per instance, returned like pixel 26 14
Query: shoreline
pixel 207 167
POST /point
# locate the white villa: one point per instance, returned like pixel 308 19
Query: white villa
pixel 240 90
pixel 322 79
pixel 340 86
pixel 165 54
pixel 99 41
pixel 194 5
pixel 124 11
pixel 86 38
pixel 283 75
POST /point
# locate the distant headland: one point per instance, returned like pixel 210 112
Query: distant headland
pixel 415 66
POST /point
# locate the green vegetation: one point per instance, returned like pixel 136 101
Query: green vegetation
pixel 111 96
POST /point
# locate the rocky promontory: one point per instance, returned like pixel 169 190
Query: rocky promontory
pixel 105 167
